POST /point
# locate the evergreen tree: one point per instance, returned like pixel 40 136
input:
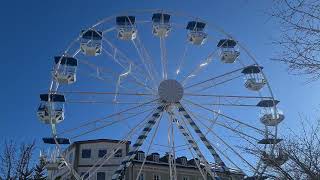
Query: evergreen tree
pixel 40 171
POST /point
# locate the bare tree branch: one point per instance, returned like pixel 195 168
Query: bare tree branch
pixel 23 170
pixel 299 42
pixel 7 158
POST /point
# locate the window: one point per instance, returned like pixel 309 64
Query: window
pixel 86 176
pixel 184 161
pixel 140 156
pixel 101 176
pixel 86 153
pixel 118 153
pixel 156 177
pixel 155 157
pixel 141 177
pixel 102 152
pixel 185 178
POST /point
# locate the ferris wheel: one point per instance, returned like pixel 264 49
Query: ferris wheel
pixel 162 79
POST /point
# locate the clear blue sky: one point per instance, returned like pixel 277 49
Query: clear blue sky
pixel 35 31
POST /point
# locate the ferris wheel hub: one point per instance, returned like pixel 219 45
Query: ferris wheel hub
pixel 170 91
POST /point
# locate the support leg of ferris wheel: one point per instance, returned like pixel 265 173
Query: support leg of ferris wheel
pixel 172 152
pixel 192 142
pixel 54 134
pixel 217 158
pixel 136 146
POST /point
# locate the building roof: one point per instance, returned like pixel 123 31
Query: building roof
pixel 99 140
pixel 96 141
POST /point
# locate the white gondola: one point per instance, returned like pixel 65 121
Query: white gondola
pixel 160 24
pixel 196 34
pixel 53 165
pixel 91 42
pixel 228 51
pixel 51 108
pixel 271 118
pixel 126 27
pixel 65 69
pixel 54 162
pixel 277 159
pixel 254 79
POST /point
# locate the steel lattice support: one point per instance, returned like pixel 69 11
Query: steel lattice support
pixel 206 142
pixel 193 143
pixel 135 148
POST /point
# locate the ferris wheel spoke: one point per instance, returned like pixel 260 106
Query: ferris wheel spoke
pixel 121 59
pixel 223 154
pixel 239 133
pixel 228 96
pixel 76 52
pixel 234 151
pixel 107 124
pixel 105 93
pixel 116 147
pixel 100 70
pixel 107 117
pixel 190 140
pixel 148 127
pixel 214 78
pixel 257 152
pixel 228 104
pixel 164 60
pixel 146 60
pixel 207 60
pixel 182 60
pixel 229 159
pixel 220 83
pixel 225 116
pixel 103 102
pixel 198 116
pixel 230 147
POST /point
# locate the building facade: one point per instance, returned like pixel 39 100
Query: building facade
pixel 83 155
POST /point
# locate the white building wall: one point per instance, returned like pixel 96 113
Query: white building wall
pixel 82 165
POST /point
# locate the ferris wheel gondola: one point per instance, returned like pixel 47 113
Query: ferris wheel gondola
pixel 67 71
pixel 51 108
pixel 255 81
pixel 91 42
pixel 126 27
pixel 196 34
pixel 229 53
pixel 161 24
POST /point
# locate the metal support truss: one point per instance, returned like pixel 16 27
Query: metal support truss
pixel 193 144
pixel 206 142
pixel 126 162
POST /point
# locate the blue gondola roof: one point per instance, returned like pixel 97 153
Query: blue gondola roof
pixel 253 69
pixel 125 20
pixel 269 141
pixel 70 61
pixel 227 43
pixel 196 25
pixel 268 103
pixel 59 140
pixel 53 97
pixel 91 34
pixel 161 17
